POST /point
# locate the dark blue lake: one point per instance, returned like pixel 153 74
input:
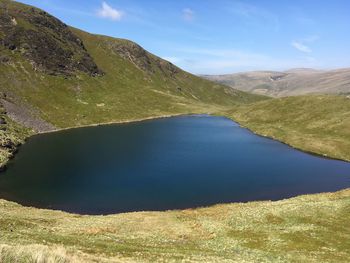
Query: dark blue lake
pixel 173 163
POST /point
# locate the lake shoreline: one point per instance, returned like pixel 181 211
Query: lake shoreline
pixel 115 122
pixel 170 233
pixel 238 203
pixel 318 154
pixel 118 137
pixel 321 155
pixel 3 167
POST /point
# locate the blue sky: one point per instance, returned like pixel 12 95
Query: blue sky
pixel 217 37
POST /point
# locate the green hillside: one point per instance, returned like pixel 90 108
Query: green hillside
pixel 318 124
pixel 53 76
pixel 104 80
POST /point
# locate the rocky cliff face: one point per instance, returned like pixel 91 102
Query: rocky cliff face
pixel 141 58
pixel 45 41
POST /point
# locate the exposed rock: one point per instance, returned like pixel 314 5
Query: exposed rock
pixel 2 120
pixel 26 116
pixel 142 59
pixel 45 41
pixel 8 144
pixel 14 21
pixel 4 59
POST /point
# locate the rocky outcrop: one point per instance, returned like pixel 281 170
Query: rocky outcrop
pixel 142 59
pixel 26 116
pixel 45 41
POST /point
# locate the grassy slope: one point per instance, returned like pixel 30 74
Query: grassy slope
pixel 318 124
pixel 124 93
pixel 140 87
pixel 135 86
pixel 311 228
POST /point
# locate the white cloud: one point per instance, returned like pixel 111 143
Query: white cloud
pixel 106 11
pixel 301 47
pixel 188 14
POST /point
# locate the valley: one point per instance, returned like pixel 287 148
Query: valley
pixel 55 77
pixel 292 82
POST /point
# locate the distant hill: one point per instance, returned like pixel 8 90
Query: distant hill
pixel 288 83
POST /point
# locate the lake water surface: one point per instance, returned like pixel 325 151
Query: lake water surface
pixel 172 163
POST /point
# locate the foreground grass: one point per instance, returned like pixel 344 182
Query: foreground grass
pixel 315 123
pixel 313 228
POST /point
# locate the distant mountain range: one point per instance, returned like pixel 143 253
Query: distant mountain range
pixel 292 82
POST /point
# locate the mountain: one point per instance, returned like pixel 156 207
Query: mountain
pixel 67 77
pixel 54 76
pixel 288 83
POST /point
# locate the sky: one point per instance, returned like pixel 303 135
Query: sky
pixel 221 36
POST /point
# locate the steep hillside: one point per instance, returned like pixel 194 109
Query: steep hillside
pixel 314 123
pixel 47 43
pixel 67 77
pixel 53 76
pixel 288 83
